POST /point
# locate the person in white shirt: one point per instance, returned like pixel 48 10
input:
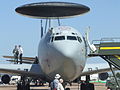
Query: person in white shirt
pixel 20 53
pixel 60 86
pixel 57 83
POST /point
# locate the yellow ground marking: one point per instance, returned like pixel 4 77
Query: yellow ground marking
pixel 109 48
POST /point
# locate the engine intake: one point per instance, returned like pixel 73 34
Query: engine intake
pixel 103 76
pixel 5 79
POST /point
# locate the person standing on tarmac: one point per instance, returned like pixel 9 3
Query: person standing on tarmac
pixel 56 84
pixel 16 53
pixel 20 49
pixel 60 86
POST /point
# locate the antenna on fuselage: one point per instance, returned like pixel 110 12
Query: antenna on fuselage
pixel 59 21
pixel 41 29
pixel 52 10
pixel 49 23
pixel 46 25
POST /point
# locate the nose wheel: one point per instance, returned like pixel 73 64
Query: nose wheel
pixel 86 85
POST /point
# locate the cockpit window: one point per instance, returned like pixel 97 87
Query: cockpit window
pixel 73 33
pixel 71 38
pixel 79 39
pixel 59 38
pixel 57 33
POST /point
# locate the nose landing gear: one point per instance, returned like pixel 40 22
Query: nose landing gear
pixel 86 85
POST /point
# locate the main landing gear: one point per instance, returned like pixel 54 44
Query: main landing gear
pixel 23 84
pixel 86 85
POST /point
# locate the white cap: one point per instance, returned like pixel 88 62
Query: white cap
pixel 57 76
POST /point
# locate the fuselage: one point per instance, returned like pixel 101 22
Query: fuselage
pixel 62 50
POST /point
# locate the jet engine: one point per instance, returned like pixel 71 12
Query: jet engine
pixel 103 76
pixel 5 79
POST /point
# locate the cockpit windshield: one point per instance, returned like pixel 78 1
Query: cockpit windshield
pixel 59 38
pixel 79 39
pixel 71 38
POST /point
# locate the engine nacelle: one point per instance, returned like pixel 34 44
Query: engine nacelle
pixel 103 76
pixel 5 79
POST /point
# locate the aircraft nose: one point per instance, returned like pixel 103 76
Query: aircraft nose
pixel 70 58
pixel 69 50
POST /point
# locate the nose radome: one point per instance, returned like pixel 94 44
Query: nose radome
pixel 68 51
pixel 70 54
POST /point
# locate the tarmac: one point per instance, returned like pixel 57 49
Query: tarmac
pixel 98 86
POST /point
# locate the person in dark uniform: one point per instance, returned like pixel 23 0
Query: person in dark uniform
pixel 16 53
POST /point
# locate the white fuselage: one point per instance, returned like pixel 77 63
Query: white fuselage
pixel 62 50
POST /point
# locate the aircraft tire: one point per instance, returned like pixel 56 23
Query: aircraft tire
pixel 19 86
pixel 67 89
pixel 92 86
pixel 87 86
pixel 27 86
pixel 83 86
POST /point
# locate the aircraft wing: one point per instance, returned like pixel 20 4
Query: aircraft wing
pixel 30 70
pixel 26 62
pixel 24 58
pixel 17 72
pixel 96 68
pixel 97 71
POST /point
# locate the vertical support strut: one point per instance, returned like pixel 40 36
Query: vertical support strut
pixel 110 64
pixel 114 74
pixel 49 23
pixel 41 29
pixel 59 22
pixel 46 25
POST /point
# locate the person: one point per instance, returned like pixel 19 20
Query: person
pixel 54 84
pixel 20 53
pixel 16 53
pixel 60 86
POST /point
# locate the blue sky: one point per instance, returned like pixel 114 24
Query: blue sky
pixel 104 20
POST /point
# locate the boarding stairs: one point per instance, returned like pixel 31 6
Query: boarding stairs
pixel 108 49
